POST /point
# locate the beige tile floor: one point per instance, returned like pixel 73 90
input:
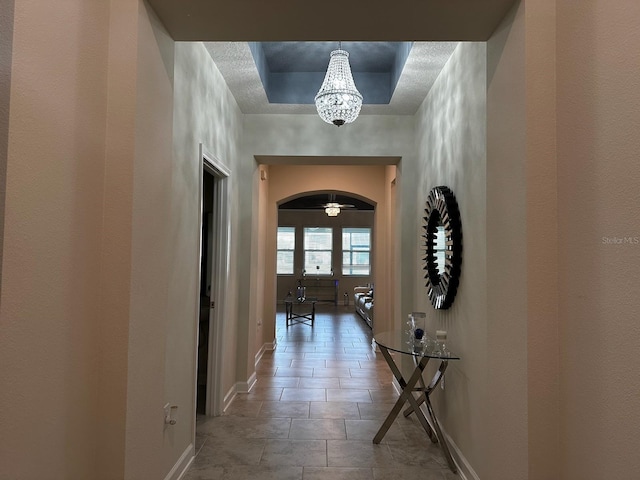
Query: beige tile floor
pixel 319 399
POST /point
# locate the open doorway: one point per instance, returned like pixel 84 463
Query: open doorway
pixel 214 252
pixel 370 182
pixel 206 303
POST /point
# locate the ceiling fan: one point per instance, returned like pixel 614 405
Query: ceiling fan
pixel 332 207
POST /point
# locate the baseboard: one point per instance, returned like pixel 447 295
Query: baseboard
pixel 267 347
pixel 228 398
pixel 465 470
pixel 182 465
pixel 239 387
pixel 245 387
pixel 259 355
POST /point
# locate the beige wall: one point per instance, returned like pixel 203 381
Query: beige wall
pixel 6 45
pixel 50 313
pixel 100 265
pixel 598 105
pixel 505 420
pixel 542 241
pixel 522 297
pixel 259 245
pixel 152 248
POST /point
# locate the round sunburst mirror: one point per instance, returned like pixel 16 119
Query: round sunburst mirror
pixel 443 247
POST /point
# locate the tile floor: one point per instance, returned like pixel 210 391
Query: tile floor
pixel 319 399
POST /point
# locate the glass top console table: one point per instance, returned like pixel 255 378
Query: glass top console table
pixel 422 351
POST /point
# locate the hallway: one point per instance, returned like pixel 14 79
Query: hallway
pixel 318 401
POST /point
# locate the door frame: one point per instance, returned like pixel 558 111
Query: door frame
pixel 220 271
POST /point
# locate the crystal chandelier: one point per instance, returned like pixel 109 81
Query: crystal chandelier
pixel 338 100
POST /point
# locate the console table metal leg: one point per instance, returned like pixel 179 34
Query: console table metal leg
pixel 288 308
pixel 443 441
pixel 420 400
pixel 426 391
pixel 433 420
pixel 430 424
pixel 407 388
pixel 313 313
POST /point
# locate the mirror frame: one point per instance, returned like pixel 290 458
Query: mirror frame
pixel 442 209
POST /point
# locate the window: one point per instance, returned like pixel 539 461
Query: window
pixel 318 243
pixel 356 251
pixel 286 246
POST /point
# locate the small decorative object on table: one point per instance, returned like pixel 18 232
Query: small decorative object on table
pixel 440 347
pixel 417 323
pixel 300 292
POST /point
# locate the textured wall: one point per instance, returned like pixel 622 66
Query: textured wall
pixel 599 237
pixel 101 248
pixel 370 135
pixel 204 112
pixel 6 45
pixel 50 305
pixel 152 250
pixel 117 198
pixel 505 419
pixel 451 145
pixel 542 241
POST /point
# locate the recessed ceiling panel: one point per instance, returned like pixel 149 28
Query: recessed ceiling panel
pixel 314 56
pixel 292 72
pixel 245 68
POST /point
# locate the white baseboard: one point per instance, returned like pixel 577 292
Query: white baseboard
pixel 267 347
pixel 465 470
pixel 228 398
pixel 182 465
pixel 245 387
pixel 259 355
pixel 238 387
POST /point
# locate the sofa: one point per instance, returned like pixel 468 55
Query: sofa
pixel 363 301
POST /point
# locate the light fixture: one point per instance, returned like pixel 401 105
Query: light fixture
pixel 338 100
pixel 332 209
